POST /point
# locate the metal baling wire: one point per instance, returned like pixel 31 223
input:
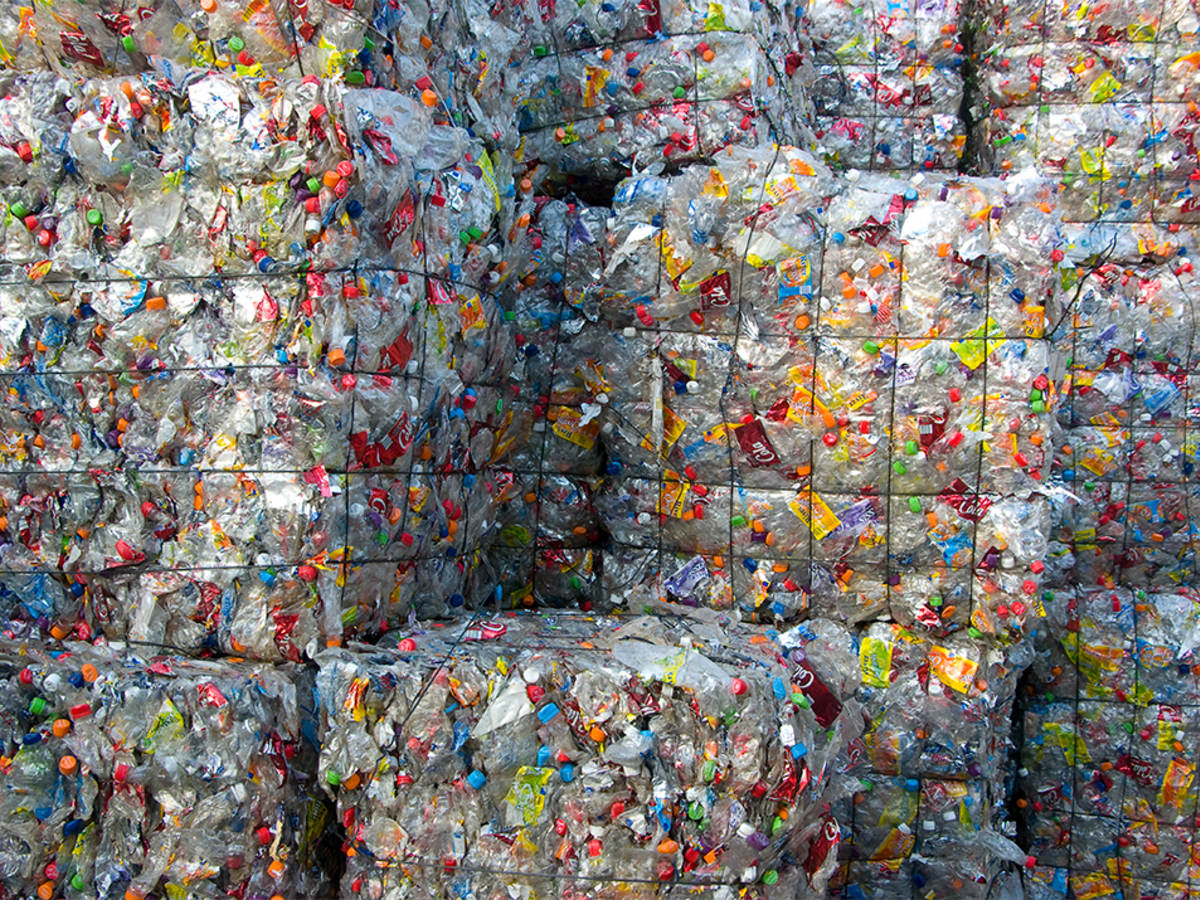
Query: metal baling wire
pixel 224 367
pixel 422 303
pixel 1119 587
pixel 547 432
pixel 890 503
pixel 87 282
pixel 977 488
pixel 657 402
pixel 814 340
pixel 1189 480
pixel 347 550
pixel 730 376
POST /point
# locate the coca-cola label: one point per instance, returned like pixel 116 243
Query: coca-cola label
pixel 1139 770
pixel 970 506
pixel 715 291
pixel 823 845
pixel 402 217
pixel 77 45
pixel 825 705
pixel 752 438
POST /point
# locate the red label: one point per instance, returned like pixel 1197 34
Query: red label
pixel 715 291
pixel 402 217
pixel 753 440
pixel 77 45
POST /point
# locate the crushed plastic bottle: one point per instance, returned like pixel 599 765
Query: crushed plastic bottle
pixel 141 775
pixel 592 750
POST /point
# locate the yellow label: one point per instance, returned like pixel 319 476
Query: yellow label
pixel 489 178
pixel 672 500
pixel 1088 887
pixel 675 265
pixel 673 427
pixel 168 723
pixel 1073 746
pixel 470 312
pixel 597 76
pixel 353 703
pixel 814 512
pixel 956 671
pixel 528 793
pixel 715 185
pixel 1098 461
pixel 1176 783
pixel 1035 321
pixel 979 344
pixel 896 846
pixel 568 425
pixel 875 661
pixel 1104 87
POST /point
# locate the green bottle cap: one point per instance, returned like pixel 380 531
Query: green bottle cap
pixel 128 44
pixel 355 77
pixel 679 93
pixel 914 503
pixel 18 209
pixel 236 44
pixel 333 778
pixel 94 217
pixel 37 705
pixel 870 347
pixel 899 467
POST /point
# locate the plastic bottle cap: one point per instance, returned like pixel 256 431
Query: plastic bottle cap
pixel 94 217
pixel 68 764
pixel 236 44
